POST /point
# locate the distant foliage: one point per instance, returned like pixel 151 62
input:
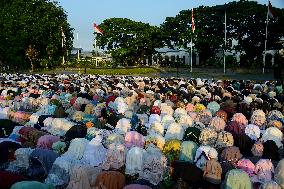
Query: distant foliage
pixel 246 21
pixel 129 41
pixel 28 26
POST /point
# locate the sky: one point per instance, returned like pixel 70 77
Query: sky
pixel 83 13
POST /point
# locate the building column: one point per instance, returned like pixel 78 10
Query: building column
pixel 153 62
pixel 187 58
pixel 238 57
pixel 197 59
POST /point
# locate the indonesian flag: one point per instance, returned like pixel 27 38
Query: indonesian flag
pixel 97 29
pixel 192 21
pixel 270 13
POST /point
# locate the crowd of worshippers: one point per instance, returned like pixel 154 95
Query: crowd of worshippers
pixel 123 132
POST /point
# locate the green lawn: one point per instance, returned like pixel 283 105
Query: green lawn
pixel 122 71
pixel 156 72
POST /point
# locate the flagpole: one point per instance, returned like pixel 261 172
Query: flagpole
pixel 62 43
pixel 191 56
pixel 265 42
pixel 96 53
pixel 193 29
pixel 97 30
pixel 63 60
pixel 225 40
pixel 78 55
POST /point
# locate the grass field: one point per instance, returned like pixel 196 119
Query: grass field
pixel 123 71
pixel 171 72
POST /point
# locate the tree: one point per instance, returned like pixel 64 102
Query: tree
pixel 208 34
pixel 32 54
pixel 51 49
pixel 129 41
pixel 245 24
pixel 35 22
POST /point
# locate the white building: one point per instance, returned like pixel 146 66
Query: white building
pixel 170 56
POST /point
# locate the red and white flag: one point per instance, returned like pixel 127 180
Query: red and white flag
pixel 270 12
pixel 192 21
pixel 97 29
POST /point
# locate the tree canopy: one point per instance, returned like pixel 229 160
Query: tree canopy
pixel 128 41
pixel 246 23
pixel 32 27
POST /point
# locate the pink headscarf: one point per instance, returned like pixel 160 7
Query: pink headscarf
pixel 247 166
pixel 264 169
pixel 46 141
pixel 240 119
pixel 133 138
pixel 189 107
